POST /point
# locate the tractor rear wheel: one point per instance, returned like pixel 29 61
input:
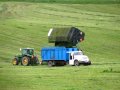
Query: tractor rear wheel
pixel 25 61
pixel 76 63
pixel 15 61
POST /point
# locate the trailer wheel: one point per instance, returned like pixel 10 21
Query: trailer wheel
pixel 15 61
pixel 50 63
pixel 76 63
pixel 25 61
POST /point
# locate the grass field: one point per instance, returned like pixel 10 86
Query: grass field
pixel 24 24
pixel 71 1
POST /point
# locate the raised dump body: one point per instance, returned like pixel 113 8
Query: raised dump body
pixel 67 37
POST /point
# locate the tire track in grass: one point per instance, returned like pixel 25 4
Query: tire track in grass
pixel 19 41
pixel 64 8
pixel 83 15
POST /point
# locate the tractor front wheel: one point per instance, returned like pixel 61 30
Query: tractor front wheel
pixel 15 61
pixel 25 61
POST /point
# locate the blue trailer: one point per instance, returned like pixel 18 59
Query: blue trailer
pixel 56 55
pixel 62 55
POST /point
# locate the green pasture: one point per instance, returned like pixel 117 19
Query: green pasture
pixel 71 1
pixel 26 24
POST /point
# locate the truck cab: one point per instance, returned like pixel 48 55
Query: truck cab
pixel 77 57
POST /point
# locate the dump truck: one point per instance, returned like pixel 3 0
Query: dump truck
pixel 62 55
pixel 26 58
pixel 64 50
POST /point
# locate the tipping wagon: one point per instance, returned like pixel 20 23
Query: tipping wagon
pixel 62 55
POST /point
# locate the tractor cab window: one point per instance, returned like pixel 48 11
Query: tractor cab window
pixel 24 51
pixel 30 51
pixel 27 51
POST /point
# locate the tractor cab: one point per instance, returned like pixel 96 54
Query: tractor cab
pixel 27 51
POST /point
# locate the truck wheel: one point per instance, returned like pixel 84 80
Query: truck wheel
pixel 15 61
pixel 50 63
pixel 25 61
pixel 76 63
pixel 63 63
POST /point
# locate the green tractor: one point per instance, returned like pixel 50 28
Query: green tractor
pixel 26 58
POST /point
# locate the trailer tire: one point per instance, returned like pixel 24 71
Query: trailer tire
pixel 76 63
pixel 50 63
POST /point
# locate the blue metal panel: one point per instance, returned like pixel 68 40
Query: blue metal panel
pixel 56 53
